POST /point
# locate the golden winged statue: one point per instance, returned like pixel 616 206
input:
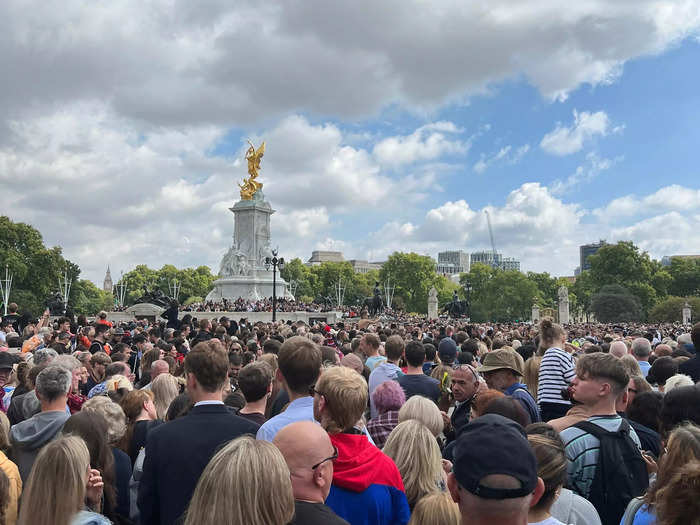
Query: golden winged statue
pixel 250 185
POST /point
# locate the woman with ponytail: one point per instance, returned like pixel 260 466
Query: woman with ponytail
pixel 557 369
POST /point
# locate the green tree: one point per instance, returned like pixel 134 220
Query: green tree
pixel 625 265
pixel 193 282
pixel 670 309
pixel 614 303
pixel 295 271
pixel 89 299
pixel 499 295
pixel 685 277
pixel 582 292
pixel 139 281
pixel 35 268
pixel 412 275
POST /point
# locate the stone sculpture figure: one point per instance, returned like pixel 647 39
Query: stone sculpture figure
pixel 250 185
pixel 563 294
pixel 235 262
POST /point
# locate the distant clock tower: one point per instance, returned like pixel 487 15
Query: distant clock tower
pixel 108 285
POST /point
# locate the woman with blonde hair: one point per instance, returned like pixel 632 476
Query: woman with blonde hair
pixel 437 508
pixel 227 494
pixel 424 410
pixel 113 414
pixel 11 471
pixel 165 388
pixel 682 449
pixel 531 373
pixel 60 484
pixel 443 373
pixel 415 451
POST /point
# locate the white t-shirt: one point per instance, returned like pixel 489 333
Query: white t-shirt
pixel 548 521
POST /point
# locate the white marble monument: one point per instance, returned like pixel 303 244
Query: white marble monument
pixel 535 314
pixel 432 304
pixel 686 313
pixel 564 305
pixel 242 272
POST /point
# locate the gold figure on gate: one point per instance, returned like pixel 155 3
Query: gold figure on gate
pixel 250 185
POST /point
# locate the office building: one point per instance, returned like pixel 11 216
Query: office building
pixel 319 257
pixel 586 251
pixel 452 262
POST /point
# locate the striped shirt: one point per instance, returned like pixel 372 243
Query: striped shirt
pixel 582 451
pixel 556 372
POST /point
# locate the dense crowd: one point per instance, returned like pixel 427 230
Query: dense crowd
pixel 284 304
pixel 399 421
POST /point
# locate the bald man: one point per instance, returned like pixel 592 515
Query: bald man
pixel 309 454
pixel 618 348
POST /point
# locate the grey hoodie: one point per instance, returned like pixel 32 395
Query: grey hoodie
pixel 573 509
pixel 28 437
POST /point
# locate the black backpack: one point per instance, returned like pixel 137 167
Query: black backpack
pixel 621 473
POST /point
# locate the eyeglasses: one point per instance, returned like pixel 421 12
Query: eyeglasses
pixel 459 366
pixel 331 458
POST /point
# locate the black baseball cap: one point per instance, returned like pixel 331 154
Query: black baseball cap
pixel 492 444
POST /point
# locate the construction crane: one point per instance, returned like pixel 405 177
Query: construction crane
pixel 494 263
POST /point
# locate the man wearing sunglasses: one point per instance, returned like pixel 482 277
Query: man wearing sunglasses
pixel 309 454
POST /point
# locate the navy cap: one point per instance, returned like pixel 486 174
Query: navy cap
pixel 492 444
pixel 447 347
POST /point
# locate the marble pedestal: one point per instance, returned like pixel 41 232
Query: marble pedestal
pixel 243 273
pixel 253 288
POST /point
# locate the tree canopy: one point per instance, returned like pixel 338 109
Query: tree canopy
pixel 193 282
pixel 36 270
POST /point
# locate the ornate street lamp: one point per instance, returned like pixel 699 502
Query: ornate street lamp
pixel 275 263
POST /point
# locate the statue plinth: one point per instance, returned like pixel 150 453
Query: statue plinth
pixel 242 271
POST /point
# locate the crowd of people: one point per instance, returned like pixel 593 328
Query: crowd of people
pixel 283 304
pixel 404 421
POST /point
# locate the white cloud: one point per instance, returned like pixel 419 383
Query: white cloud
pixel 506 154
pixel 564 140
pixel 669 198
pixel 426 143
pixel 185 63
pixel 539 229
pixel 91 182
pixel 590 169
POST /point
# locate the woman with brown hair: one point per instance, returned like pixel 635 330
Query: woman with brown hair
pixel 557 369
pixel 92 429
pixel 683 449
pixel 60 485
pixel 551 468
pixel 141 417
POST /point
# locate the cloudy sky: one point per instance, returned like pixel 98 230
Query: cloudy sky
pixel 389 126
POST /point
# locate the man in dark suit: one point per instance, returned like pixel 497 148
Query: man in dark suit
pixel 178 452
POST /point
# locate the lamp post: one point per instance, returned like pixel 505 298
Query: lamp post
pixel 276 263
pixel 468 289
pixel 6 287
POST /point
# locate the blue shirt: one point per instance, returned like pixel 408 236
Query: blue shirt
pixel 645 366
pixel 382 372
pixel 520 392
pixel 301 409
